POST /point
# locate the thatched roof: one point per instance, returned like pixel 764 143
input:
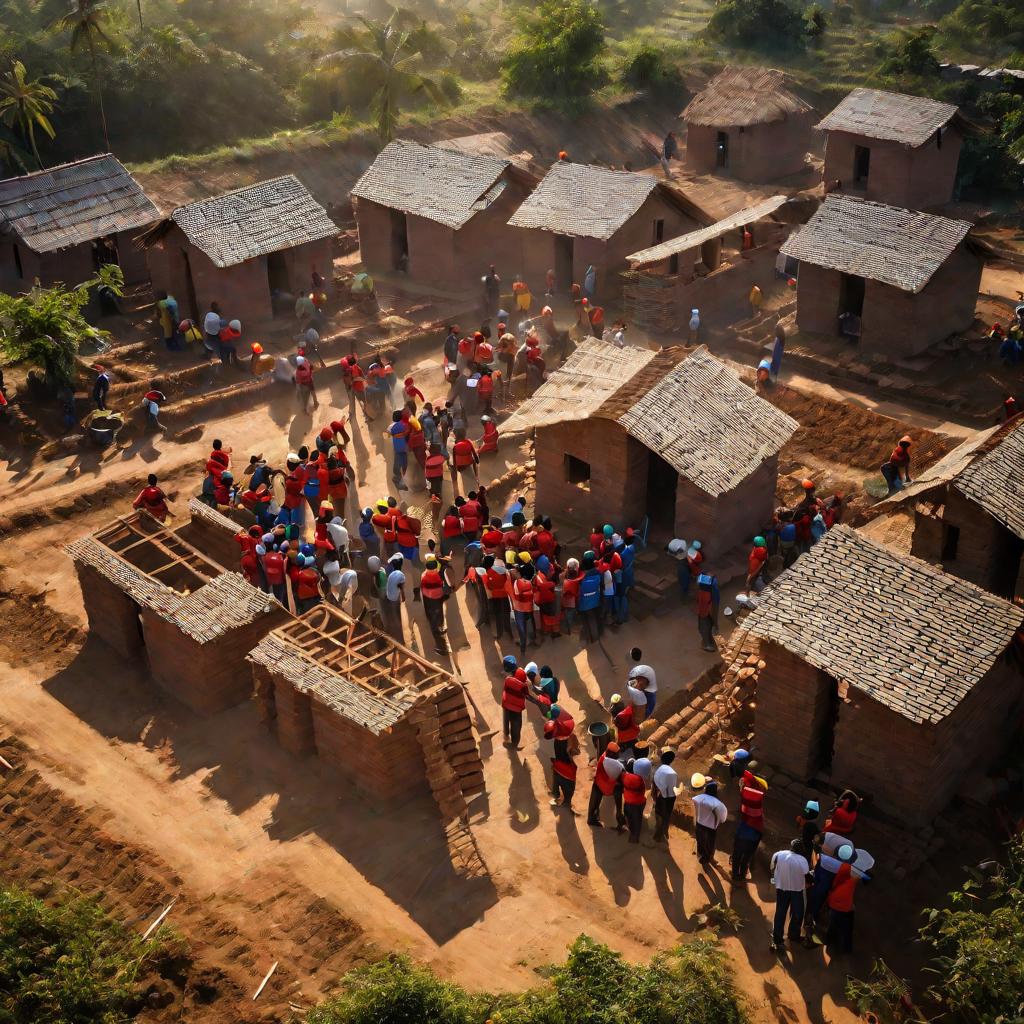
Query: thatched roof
pixel 744 96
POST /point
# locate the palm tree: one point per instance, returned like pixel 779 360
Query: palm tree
pixel 383 51
pixel 85 21
pixel 27 103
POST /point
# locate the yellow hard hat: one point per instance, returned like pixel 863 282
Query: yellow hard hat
pixel 697 781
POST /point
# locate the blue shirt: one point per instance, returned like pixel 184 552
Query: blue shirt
pixel 590 591
pixel 397 431
pixel 788 532
pixel 366 531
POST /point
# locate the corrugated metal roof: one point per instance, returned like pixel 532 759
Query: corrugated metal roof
pixel 584 201
pixel 889 116
pixel 262 218
pixel 662 251
pixel 441 184
pixel 708 424
pixel 744 96
pixel 74 203
pixel 907 634
pixel 902 248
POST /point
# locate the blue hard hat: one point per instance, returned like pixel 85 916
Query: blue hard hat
pixel 508 663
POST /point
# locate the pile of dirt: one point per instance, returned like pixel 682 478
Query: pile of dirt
pixel 51 844
pixel 31 632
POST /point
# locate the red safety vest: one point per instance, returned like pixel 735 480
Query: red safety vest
pixel 496 584
pixel 470 513
pixel 633 791
pixel 463 452
pixel 273 565
pixel 522 595
pixel 545 589
pixel 431 585
pixel 407 531
pixel 452 526
pixel 840 896
pixel 513 693
pixel 567 769
pixel 602 779
pixel 434 467
pixel 570 591
pixel 308 583
pixel 625 728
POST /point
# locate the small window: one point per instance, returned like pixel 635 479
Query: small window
pixel 861 165
pixel 17 261
pixel 950 542
pixel 673 263
pixel 577 472
pixel 659 231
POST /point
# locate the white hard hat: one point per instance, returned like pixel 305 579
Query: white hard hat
pixel 236 325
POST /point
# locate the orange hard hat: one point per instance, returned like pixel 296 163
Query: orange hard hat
pixel 906 439
pixel 807 485
pixel 257 348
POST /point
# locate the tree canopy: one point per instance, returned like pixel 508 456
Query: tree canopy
pixel 768 25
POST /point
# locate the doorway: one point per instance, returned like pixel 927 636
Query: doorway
pixel 399 241
pixel 824 749
pixel 659 231
pixel 662 482
pixel 564 261
pixel 861 166
pixel 1005 564
pixel 851 295
pixel 722 150
pixel 190 288
pixel 277 273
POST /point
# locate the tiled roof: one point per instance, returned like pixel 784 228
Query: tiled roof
pixel 584 201
pixel 995 481
pixel 707 424
pixel 262 218
pixel 889 116
pixel 662 251
pixel 905 633
pixel 743 96
pixel 902 248
pixel 438 183
pixel 74 203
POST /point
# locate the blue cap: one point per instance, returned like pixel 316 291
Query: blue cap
pixel 306 549
pixel 845 853
pixel 811 807
pixel 508 663
pixel 705 580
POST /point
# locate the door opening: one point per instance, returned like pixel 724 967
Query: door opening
pixel 1006 559
pixel 851 305
pixel 277 273
pixel 17 261
pixel 563 261
pixel 722 150
pixel 826 731
pixel 659 231
pixel 399 241
pixel 662 481
pixel 190 288
pixel 861 166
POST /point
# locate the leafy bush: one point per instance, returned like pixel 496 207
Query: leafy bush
pixel 910 53
pixel 649 68
pixel 556 54
pixel 773 25
pixel 66 964
pixel 984 27
pixel 689 985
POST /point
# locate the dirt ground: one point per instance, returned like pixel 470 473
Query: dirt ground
pixel 121 791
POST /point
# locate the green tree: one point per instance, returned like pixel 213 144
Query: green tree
pixel 387 53
pixel 650 68
pixel 911 53
pixel 772 25
pixel 815 21
pixel 27 103
pixel 86 21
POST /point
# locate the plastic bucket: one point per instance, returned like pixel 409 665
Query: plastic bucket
pixel 600 734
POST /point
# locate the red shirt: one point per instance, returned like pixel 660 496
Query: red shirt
pixel 565 767
pixel 633 791
pixel 513 693
pixel 842 821
pixel 840 896
pixel 463 453
pixel 153 500
pixel 304 375
pixel 544 589
pixel 451 526
pixel 250 567
pixel 273 565
pixel 293 484
pixel 602 779
pixel 625 727
pixel 570 591
pixel 308 583
pixel 434 467
pixel 758 556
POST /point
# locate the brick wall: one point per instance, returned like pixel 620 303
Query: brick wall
pixel 912 178
pixel 488 238
pixel 793 705
pixel 71 266
pixel 113 616
pixel 388 767
pixel 431 252
pixel 301 260
pixel 294 722
pixel 130 257
pixel 927 540
pixel 762 152
pixel 817 301
pixel 374 224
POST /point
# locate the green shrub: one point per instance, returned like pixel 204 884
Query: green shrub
pixel 648 68
pixel 773 25
pixel 68 964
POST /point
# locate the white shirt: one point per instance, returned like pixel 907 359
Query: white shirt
pixel 395 579
pixel 637 696
pixel 647 673
pixel 708 810
pixel 608 585
pixel 339 535
pixel 332 570
pixel 789 871
pixel 349 580
pixel 613 767
pixel 666 780
pixel 211 323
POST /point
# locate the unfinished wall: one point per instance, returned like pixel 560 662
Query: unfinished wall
pixel 793 709
pixel 761 152
pixel 387 767
pixel 915 179
pixel 113 616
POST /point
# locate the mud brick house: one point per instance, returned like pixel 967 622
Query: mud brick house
pixel 439 214
pixel 882 674
pixel 707 269
pixel 582 215
pixel 624 433
pixel 242 248
pixel 748 123
pixel 61 224
pixel 152 595
pixel 388 721
pixel 893 148
pixel 968 509
pixel 905 280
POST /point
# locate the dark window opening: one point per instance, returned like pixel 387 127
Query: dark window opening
pixel 826 752
pixel 577 471
pixel 861 165
pixel 938 139
pixel 673 263
pixel 722 150
pixel 277 273
pixel 399 241
pixel 17 260
pixel 659 231
pixel 662 485
pixel 950 542
pixel 851 295
pixel 564 256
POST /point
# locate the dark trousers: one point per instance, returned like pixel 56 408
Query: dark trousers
pixel 592 624
pixel 280 592
pixel 706 839
pixel 499 612
pixel 525 626
pixel 512 725
pixel 742 854
pixel 663 815
pixel 594 807
pixel 634 819
pixel 839 934
pixel 791 903
pixel 563 788
pixel 705 625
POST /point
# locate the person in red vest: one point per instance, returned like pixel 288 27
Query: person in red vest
pixel 522 604
pixel 471 515
pixel 293 508
pixel 353 372
pixel 496 584
pixel 634 799
pixel 843 816
pixel 274 570
pixel 485 392
pixel 491 539
pixel 464 459
pixel 607 775
pixel 407 534
pixel 339 473
pixel 432 590
pixel 839 934
pixel 489 442
pixel 561 728
pixel 306 582
pixel 152 499
pixel 627 728
pixel 415 440
pixel 750 827
pixel 304 385
pixel 570 593
pixel 219 458
pixel 433 470
pixel 513 702
pixel 544 596
pixel 451 530
pixel 756 561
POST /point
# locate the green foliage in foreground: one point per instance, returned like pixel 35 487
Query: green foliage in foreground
pixel 976 952
pixel 689 985
pixel 68 964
